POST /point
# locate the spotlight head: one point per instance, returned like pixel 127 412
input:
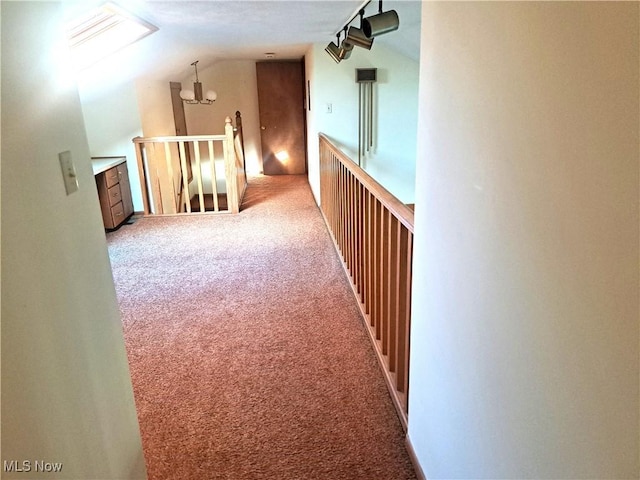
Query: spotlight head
pixel 334 52
pixel 345 50
pixel 356 36
pixel 380 23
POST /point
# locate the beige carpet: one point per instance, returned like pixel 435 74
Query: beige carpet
pixel 247 351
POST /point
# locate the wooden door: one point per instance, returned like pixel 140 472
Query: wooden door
pixel 282 117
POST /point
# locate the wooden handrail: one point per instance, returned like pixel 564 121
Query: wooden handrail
pixel 239 134
pixel 373 234
pixel 403 212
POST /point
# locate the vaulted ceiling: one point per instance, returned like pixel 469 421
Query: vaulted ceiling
pixel 214 30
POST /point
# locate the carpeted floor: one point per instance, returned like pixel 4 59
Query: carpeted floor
pixel 247 351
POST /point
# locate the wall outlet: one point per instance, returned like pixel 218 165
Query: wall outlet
pixel 68 172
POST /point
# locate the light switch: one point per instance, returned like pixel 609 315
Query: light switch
pixel 329 108
pixel 68 172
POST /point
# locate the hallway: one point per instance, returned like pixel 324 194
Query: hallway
pixel 247 351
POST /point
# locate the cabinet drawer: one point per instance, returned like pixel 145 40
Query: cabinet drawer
pixel 113 190
pixel 114 195
pixel 111 177
pixel 117 214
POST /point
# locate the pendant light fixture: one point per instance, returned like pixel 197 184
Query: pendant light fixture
pixel 195 95
pixel 382 22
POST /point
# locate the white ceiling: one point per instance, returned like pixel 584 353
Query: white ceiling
pixel 215 30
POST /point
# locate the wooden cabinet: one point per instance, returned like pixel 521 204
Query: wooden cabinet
pixel 114 191
pixel 125 189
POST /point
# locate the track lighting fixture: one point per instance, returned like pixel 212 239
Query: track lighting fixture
pixel 195 95
pixel 333 49
pixel 345 47
pixel 382 22
pixel 370 27
pixel 356 36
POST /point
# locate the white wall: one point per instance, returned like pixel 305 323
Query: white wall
pixel 154 104
pixel 66 390
pixel 112 120
pixel 524 358
pixel 313 144
pixel 392 163
pixel 235 83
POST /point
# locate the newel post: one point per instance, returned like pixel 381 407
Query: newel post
pixel 230 168
pixel 239 129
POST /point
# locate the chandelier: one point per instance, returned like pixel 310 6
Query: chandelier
pixel 195 95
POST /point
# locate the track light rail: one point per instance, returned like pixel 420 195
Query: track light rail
pixel 353 16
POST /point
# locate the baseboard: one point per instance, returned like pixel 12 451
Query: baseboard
pixel 414 459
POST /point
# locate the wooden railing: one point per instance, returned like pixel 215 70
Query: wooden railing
pixel 373 233
pixel 174 178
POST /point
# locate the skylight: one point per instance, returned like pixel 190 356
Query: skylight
pixel 103 31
